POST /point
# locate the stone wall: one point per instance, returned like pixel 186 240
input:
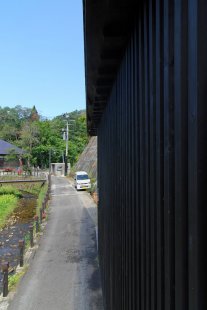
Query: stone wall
pixel 88 159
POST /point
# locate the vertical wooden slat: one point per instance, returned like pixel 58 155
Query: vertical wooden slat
pixel 137 174
pixel 142 162
pixel 146 146
pixel 159 155
pixel 169 153
pixel 152 164
pixel 202 151
pixel 197 133
pixel 152 153
pixel 192 155
pixel 181 151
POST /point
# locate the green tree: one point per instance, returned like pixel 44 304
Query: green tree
pixel 50 143
pixel 34 116
pixel 29 139
pixel 42 138
pixel 12 156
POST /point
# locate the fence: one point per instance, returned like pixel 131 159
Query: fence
pixel 9 172
pixel 152 164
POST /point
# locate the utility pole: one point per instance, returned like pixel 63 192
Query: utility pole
pixel 49 159
pixel 66 149
pixel 66 138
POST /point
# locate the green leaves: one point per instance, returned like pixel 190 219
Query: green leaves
pixel 42 139
pixel 10 190
pixel 7 205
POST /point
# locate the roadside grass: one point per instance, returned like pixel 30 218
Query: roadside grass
pixel 93 186
pixel 33 188
pixel 41 197
pixel 15 278
pixel 16 188
pixel 10 194
pixel 7 205
pixel 27 241
pixel 72 172
pixel 10 190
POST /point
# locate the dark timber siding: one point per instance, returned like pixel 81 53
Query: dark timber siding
pixel 152 143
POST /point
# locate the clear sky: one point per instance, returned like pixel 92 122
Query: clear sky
pixel 41 55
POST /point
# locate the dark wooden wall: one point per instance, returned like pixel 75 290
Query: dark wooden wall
pixel 152 143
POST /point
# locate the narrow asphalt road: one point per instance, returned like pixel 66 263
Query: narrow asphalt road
pixel 64 272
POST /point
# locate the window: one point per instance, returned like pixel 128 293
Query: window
pixel 82 177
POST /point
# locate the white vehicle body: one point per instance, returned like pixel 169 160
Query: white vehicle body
pixel 82 180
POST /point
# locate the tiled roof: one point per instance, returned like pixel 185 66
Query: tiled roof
pixel 6 147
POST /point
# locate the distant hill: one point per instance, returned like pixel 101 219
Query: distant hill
pixel 71 115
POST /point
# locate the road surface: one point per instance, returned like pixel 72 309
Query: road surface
pixel 64 274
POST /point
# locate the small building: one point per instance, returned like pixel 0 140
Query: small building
pixel 57 169
pixel 6 149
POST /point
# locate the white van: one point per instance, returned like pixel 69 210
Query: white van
pixel 82 180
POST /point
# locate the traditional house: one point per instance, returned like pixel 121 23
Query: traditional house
pixel 6 149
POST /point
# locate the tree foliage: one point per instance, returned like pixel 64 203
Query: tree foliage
pixel 42 139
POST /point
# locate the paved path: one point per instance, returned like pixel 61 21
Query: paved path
pixel 64 273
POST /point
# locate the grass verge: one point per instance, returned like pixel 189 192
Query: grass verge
pixel 10 190
pixel 15 278
pixel 41 197
pixel 7 205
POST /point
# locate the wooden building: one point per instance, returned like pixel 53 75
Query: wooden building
pixel 6 149
pixel 146 78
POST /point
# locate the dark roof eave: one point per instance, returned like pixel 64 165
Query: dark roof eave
pixel 107 27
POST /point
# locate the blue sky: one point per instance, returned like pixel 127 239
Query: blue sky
pixel 41 55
